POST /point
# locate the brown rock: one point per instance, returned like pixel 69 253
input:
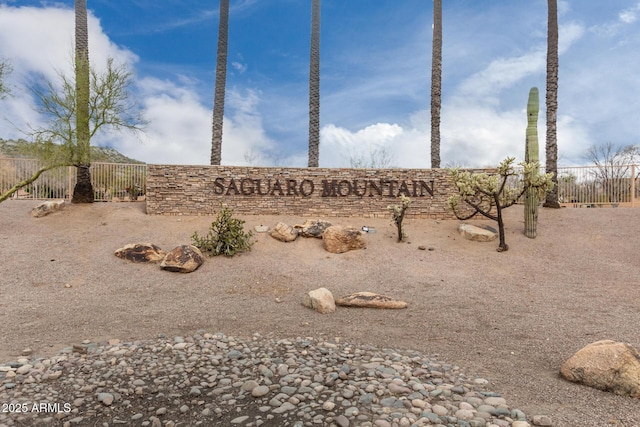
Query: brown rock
pixel 140 252
pixel 183 259
pixel 370 299
pixel 45 208
pixel 606 365
pixel 338 239
pixel 284 232
pixel 321 300
pixel 477 234
pixel 313 228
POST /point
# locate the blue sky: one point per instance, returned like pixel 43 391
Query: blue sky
pixel 375 72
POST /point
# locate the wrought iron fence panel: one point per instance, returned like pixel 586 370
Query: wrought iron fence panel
pixel 111 181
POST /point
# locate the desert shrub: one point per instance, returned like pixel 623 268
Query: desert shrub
pixel 226 236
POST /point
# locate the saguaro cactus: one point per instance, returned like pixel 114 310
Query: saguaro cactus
pixel 531 196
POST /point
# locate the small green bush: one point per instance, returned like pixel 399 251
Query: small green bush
pixel 226 236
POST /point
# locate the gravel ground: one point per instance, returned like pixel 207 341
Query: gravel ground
pixel 511 318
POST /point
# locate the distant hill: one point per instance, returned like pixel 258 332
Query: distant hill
pixel 18 149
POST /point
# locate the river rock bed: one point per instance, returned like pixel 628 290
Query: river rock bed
pixel 217 380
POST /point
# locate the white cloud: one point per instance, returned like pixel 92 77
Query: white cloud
pixel 569 34
pixel 177 131
pixel 338 146
pixel 614 27
pixel 180 128
pixel 241 68
pixel 244 140
pixel 41 40
pixel 629 16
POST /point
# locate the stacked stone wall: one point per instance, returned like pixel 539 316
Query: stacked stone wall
pixel 307 192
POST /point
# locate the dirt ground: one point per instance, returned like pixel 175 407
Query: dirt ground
pixel 511 317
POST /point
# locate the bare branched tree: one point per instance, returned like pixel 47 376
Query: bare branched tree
pixel 613 169
pixel 380 158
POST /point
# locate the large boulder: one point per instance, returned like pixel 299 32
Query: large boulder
pixel 320 300
pixel 140 252
pixel 183 259
pixel 477 234
pixel 45 208
pixel 338 239
pixel 370 299
pixel 606 365
pixel 284 232
pixel 313 228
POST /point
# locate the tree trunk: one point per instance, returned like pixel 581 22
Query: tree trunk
pixel 83 191
pixel 221 82
pixel 436 83
pixel 552 102
pixel 502 247
pixel 314 86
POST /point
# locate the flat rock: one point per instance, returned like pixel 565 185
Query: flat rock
pixel 476 234
pixel 338 239
pixel 320 300
pixel 284 232
pixel 45 208
pixel 183 259
pixel 606 365
pixel 370 299
pixel 140 252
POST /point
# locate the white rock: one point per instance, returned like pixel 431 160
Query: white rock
pixel 328 405
pixel 45 208
pixel 476 234
pixel 321 300
pixel 24 369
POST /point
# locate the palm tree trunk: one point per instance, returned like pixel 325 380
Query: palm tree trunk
pixel 436 83
pixel 83 191
pixel 552 102
pixel 314 86
pixel 221 82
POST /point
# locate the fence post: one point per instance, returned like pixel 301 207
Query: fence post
pixel 633 185
pixel 69 182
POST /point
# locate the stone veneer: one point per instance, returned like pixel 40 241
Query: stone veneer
pixel 307 192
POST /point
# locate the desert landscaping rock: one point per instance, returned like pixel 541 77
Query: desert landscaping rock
pixel 320 300
pixel 261 228
pixel 45 208
pixel 476 234
pixel 284 232
pixel 140 252
pixel 277 382
pixel 606 365
pixel 183 259
pixel 339 239
pixel 370 300
pixel 313 228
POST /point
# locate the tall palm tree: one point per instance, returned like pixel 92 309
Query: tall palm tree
pixel 83 191
pixel 552 102
pixel 314 86
pixel 221 81
pixel 436 83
